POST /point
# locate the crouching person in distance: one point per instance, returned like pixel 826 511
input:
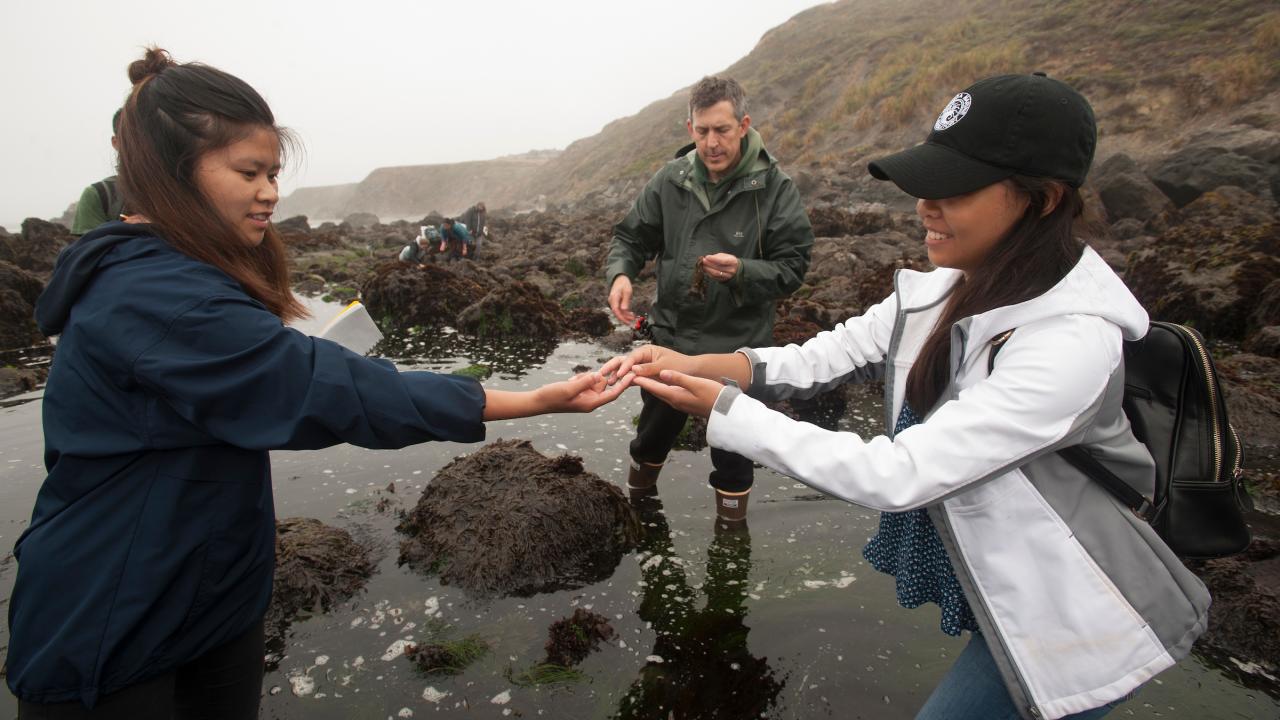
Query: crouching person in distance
pixel 1071 600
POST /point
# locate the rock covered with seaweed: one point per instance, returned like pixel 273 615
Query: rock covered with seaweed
pixel 508 520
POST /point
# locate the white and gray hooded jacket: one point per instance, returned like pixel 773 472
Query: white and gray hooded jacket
pixel 1079 600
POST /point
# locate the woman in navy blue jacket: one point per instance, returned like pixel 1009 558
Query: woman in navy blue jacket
pixel 146 570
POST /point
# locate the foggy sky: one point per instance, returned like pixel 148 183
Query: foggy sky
pixel 363 85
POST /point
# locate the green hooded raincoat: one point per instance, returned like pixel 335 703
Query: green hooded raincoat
pixel 755 213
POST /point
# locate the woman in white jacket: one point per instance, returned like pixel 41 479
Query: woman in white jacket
pixel 1072 601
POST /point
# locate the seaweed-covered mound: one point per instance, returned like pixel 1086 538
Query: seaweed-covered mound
pixel 19 290
pixel 1211 266
pixel 403 294
pixel 317 567
pixel 515 310
pixel 588 321
pixel 570 640
pixel 1244 620
pixel 508 520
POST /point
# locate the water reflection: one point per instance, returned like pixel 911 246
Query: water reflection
pixel 36 356
pixel 442 348
pixel 706 669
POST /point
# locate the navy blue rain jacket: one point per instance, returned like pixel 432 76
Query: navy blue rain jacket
pixel 153 536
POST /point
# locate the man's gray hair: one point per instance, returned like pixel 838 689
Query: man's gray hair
pixel 711 89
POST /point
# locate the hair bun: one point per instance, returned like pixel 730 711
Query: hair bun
pixel 152 63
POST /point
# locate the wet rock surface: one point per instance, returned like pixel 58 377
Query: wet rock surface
pixel 15 380
pixel 1126 192
pixel 508 520
pixel 1210 264
pixel 1191 229
pixel 36 248
pixel 317 567
pixel 19 290
pixel 403 294
pixel 1244 619
pixel 518 309
pixel 588 321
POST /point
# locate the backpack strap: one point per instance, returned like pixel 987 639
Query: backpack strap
pixel 1084 461
pixel 104 198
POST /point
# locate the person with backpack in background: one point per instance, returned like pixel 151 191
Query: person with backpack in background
pixel 101 202
pixel 145 573
pixel 422 246
pixel 1072 601
pixel 455 240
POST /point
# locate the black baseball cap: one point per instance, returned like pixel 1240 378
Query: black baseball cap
pixel 1001 126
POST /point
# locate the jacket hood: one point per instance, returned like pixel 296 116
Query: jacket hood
pixel 1091 288
pixel 75 267
pixel 754 159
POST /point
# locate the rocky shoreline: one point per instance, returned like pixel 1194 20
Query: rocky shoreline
pixel 1193 233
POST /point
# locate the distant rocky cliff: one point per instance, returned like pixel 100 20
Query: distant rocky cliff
pixel 412 191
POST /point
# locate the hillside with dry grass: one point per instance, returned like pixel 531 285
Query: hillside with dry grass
pixel 839 83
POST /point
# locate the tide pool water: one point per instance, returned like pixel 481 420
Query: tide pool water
pixel 779 619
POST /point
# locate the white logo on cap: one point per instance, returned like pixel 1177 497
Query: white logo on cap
pixel 954 110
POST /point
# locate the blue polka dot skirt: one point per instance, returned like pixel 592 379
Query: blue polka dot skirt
pixel 907 547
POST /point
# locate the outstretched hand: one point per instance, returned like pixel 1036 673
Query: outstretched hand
pixel 687 393
pixel 583 393
pixel 647 360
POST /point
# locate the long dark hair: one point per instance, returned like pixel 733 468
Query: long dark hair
pixel 174 115
pixel 1039 250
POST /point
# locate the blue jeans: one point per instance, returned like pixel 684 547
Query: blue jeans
pixel 973 690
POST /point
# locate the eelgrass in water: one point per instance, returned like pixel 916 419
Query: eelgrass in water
pixel 545 674
pixel 447 657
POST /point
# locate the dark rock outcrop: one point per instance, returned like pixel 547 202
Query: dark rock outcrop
pixel 1244 620
pixel 36 248
pixel 295 225
pixel 1126 192
pixel 1265 342
pixel 1201 168
pixel 15 380
pixel 1252 385
pixel 861 219
pixel 517 309
pixel 19 290
pixel 588 321
pixel 1210 265
pixel 317 567
pixel 570 640
pixel 849 275
pixel 404 294
pixel 508 520
pixel 361 220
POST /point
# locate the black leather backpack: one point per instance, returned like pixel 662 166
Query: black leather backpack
pixel 1175 405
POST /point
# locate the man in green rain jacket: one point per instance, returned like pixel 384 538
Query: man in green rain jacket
pixel 730 237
